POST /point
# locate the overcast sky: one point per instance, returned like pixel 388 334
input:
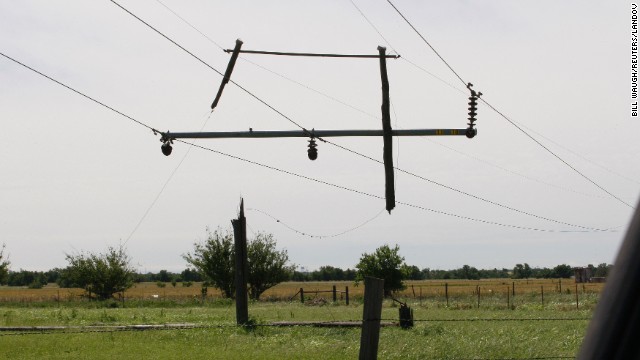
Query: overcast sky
pixel 75 176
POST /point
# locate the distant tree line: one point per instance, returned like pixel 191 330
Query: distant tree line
pixel 165 276
pixel 325 273
pixel 466 272
pixel 38 279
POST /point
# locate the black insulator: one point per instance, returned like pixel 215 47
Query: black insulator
pixel 166 148
pixel 471 132
pixel 312 152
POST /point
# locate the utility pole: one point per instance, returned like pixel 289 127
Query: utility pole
pixel 387 132
pixel 242 267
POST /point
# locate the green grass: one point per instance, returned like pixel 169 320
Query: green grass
pixel 433 339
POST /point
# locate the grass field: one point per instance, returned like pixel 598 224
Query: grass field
pixel 524 330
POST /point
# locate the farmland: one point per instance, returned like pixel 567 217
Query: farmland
pixel 526 328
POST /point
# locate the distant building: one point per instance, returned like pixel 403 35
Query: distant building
pixel 582 274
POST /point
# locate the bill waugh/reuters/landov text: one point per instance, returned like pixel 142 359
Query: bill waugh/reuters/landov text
pixel 634 59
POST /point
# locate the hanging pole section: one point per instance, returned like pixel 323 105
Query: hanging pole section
pixel 361 56
pixel 305 133
pixel 387 136
pixel 227 74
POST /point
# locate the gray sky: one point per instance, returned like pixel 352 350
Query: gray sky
pixel 75 176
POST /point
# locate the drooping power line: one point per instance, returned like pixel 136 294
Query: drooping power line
pixel 343 147
pixel 462 217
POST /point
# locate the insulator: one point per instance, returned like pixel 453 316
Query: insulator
pixel 312 152
pixel 166 148
pixel 473 111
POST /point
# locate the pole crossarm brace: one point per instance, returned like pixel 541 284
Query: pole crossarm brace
pixel 306 133
pixel 361 56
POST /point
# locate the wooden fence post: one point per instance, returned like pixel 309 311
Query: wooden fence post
pixel 335 297
pixel 560 285
pixel 446 292
pixel 346 294
pixel 370 335
pixel 302 295
pixel 513 288
pixel 240 240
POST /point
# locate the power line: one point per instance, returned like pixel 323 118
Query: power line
pixel 188 23
pixel 292 173
pixel 317 236
pixel 489 222
pixel 426 42
pixel 506 118
pixel 556 155
pixel 343 147
pixel 469 194
pixel 580 155
pixel 80 93
pixel 175 170
pixel 212 68
pixel 321 93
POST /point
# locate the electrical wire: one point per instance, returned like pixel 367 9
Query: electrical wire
pixel 556 155
pixel 427 42
pixel 462 217
pixel 395 51
pixel 506 118
pixel 80 93
pixel 155 200
pixel 581 156
pixel 471 195
pixel 340 146
pixel 292 173
pixel 375 117
pixel 404 171
pixel 212 68
pixel 317 236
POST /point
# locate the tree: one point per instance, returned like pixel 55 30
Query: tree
pixel 563 271
pixel 215 259
pixel 603 270
pixel 411 272
pixel 4 265
pixel 267 266
pixel 385 263
pixel 100 275
pixel 522 271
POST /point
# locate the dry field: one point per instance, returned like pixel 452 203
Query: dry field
pixel 424 289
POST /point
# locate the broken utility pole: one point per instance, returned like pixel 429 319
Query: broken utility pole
pixel 387 132
pixel 242 266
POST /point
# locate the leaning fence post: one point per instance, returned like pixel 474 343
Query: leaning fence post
pixel 302 295
pixel 335 298
pixel 370 335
